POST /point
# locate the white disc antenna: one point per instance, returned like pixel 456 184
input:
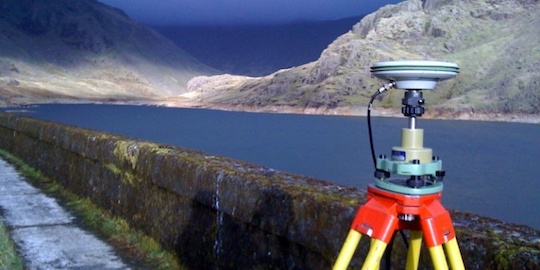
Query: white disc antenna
pixel 415 74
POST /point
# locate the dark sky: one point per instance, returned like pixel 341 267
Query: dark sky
pixel 243 11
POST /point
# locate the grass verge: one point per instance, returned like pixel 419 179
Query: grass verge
pixel 132 243
pixel 9 258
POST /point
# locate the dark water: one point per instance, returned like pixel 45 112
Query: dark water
pixel 491 167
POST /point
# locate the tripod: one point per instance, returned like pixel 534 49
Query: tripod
pixel 385 212
pixel 412 203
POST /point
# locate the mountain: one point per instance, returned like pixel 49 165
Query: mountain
pixel 71 50
pixel 495 43
pixel 256 49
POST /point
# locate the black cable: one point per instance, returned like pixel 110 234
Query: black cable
pixel 369 128
pixel 404 237
pixel 381 90
pixel 388 253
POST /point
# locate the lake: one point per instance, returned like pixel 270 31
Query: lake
pixel 491 167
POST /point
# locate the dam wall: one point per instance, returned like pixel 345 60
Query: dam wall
pixel 220 213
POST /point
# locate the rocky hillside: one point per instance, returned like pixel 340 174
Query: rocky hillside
pixel 65 49
pixel 495 43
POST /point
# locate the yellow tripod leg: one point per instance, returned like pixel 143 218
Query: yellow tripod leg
pixel 415 245
pixel 377 266
pixel 374 255
pixel 347 250
pixel 454 255
pixel 437 257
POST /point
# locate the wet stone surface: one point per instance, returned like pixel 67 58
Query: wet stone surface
pixel 44 232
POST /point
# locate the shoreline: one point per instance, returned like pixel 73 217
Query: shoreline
pixel 431 113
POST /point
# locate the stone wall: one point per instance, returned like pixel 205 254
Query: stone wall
pixel 216 212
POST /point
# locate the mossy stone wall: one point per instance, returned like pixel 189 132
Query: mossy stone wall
pixel 216 212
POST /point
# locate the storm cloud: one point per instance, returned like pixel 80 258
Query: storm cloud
pixel 243 11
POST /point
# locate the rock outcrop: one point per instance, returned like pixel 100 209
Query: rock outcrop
pixel 495 43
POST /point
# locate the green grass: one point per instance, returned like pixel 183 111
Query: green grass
pixel 9 258
pixel 117 232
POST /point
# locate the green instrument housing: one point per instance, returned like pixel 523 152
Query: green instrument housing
pixel 410 169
